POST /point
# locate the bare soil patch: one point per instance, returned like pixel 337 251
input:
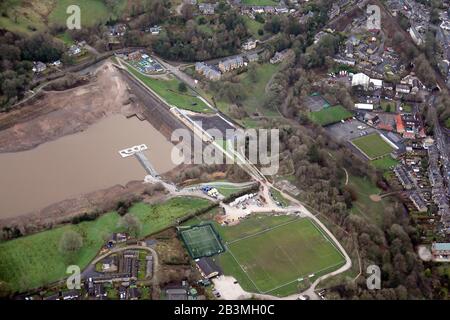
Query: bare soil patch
pixel 61 113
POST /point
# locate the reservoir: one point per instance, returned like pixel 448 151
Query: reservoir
pixel 78 164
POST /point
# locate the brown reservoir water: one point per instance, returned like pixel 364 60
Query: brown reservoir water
pixel 78 164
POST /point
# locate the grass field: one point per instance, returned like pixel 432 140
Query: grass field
pixel 279 259
pixel 92 12
pixel 384 163
pixel 253 27
pixel 373 146
pixel 364 206
pixel 388 106
pixel 202 241
pixel 168 90
pixel 26 16
pixel 330 115
pixel 35 260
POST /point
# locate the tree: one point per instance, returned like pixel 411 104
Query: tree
pixel 70 242
pixel 131 224
pixel 182 87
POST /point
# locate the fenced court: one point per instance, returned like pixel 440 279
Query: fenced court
pixel 202 241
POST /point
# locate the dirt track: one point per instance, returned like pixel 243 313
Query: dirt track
pixel 61 113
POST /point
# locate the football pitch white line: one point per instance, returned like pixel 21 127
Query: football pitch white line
pixel 245 272
pixel 327 238
pixel 296 280
pixel 300 276
pixel 265 230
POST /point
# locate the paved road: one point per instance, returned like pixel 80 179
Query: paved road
pixel 132 247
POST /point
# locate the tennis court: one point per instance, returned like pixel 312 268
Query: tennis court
pixel 202 241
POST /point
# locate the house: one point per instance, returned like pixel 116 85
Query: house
pixel 361 79
pixel 133 293
pixel 376 83
pixel 74 50
pixel 334 11
pixel 279 56
pixel 99 290
pixel 399 124
pixel 418 201
pixel 117 30
pixel 249 44
pixel 39 67
pixel 208 71
pixel 281 10
pixel 364 106
pixel 388 86
pixel 415 35
pixel 208 268
pixel 155 30
pixel 346 61
pixel 179 293
pixel 206 8
pixel 231 64
pixel 252 57
pixel 402 88
pixel 440 250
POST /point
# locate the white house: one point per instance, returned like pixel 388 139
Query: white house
pixel 364 106
pixel 377 83
pixel 361 79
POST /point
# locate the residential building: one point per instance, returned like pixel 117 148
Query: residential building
pixel 364 106
pixel 207 8
pixel 231 64
pixel 208 71
pixel 249 44
pixel 279 56
pixel 402 88
pixel 39 67
pixel 418 201
pixel 440 250
pixel 252 57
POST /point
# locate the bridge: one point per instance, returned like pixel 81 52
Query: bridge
pixel 146 164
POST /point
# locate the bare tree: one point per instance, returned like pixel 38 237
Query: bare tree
pixel 70 242
pixel 131 224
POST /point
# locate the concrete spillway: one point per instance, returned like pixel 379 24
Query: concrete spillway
pixel 146 164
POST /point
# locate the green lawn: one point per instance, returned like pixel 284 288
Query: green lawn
pixel 168 90
pixel 407 108
pixel 388 106
pixel 275 260
pixel 364 206
pixel 26 16
pixel 253 26
pixel 330 115
pixel 92 11
pixel 385 163
pixel 373 145
pixel 33 261
pixel 256 90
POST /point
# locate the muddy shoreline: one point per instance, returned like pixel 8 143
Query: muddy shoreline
pixel 59 113
pixel 56 114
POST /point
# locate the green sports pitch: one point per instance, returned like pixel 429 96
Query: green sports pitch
pixel 373 146
pixel 202 241
pixel 330 115
pixel 278 260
